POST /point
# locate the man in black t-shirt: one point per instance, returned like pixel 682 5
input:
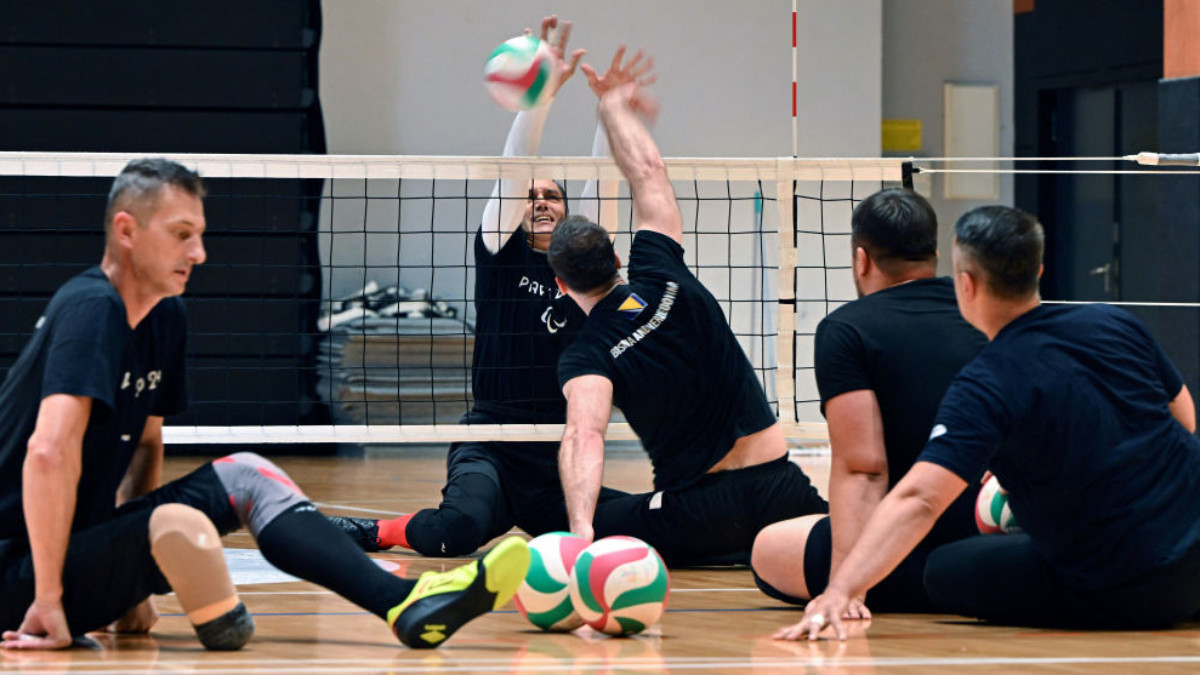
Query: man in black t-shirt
pixel 659 347
pixel 883 363
pixel 522 324
pixel 86 532
pixel 1085 421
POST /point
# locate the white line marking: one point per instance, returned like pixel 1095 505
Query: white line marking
pixel 591 664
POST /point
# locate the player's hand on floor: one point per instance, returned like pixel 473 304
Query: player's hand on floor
pixel 139 619
pixel 824 611
pixel 44 627
pixel 857 610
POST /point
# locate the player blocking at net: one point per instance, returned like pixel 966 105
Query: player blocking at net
pixel 660 348
pixel 523 323
pixel 81 414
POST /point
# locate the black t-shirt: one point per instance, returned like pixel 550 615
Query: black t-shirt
pixel 905 343
pixel 83 346
pixel 678 372
pixel 522 324
pixel 1068 406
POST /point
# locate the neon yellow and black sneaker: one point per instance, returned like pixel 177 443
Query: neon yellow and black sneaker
pixel 443 602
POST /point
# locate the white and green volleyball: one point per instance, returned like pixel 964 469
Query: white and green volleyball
pixel 520 73
pixel 992 513
pixel 543 597
pixel 619 585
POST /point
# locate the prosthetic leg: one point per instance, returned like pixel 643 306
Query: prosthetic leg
pixel 187 549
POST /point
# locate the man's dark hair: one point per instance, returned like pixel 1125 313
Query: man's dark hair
pixel 1006 245
pixel 895 226
pixel 139 183
pixel 582 255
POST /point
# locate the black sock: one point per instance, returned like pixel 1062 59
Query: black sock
pixel 303 543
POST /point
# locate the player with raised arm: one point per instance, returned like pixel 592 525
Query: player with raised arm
pixel 660 348
pixel 1086 422
pixel 81 414
pixel 523 323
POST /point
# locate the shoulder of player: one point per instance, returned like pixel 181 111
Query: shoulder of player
pixel 653 239
pixel 86 293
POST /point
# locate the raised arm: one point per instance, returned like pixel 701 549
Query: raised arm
pixel 624 104
pixel 505 209
pixel 581 457
pixel 50 477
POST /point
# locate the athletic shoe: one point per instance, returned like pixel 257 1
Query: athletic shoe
pixel 363 531
pixel 443 602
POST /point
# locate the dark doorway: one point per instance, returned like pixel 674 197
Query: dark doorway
pixel 1098 225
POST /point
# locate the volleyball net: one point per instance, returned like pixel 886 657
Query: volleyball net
pixel 337 301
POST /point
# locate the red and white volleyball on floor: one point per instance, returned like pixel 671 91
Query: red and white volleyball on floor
pixel 617 585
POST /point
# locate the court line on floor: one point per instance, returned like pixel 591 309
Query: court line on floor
pixel 449 664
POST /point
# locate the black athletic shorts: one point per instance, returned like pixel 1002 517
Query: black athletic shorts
pixel 901 591
pixel 525 475
pixel 716 518
pixel 109 568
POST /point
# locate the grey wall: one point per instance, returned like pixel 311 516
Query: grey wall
pixel 927 43
pixel 404 76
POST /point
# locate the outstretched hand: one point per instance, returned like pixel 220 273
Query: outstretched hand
pixel 556 35
pixel 636 70
pixel 44 627
pixel 626 81
pixel 827 610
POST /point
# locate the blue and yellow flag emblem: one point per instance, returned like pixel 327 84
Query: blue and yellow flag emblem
pixel 632 306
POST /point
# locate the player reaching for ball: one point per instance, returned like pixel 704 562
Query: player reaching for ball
pixel 883 363
pixel 81 414
pixel 659 347
pixel 1087 424
pixel 523 323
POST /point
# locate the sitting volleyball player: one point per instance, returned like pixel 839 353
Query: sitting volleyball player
pixel 659 347
pixel 1085 421
pixel 81 415
pixel 883 363
pixel 523 323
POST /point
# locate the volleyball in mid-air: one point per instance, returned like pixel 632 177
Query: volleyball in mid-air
pixel 520 73
pixel 619 585
pixel 992 512
pixel 543 597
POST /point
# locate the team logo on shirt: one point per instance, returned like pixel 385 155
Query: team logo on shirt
pixel 150 381
pixel 534 287
pixel 632 306
pixel 660 315
pixel 552 323
pixel 938 430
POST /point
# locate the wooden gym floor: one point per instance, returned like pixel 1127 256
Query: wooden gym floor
pixel 716 619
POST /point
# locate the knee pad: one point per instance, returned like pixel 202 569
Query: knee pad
pixel 187 549
pixel 445 532
pixel 259 491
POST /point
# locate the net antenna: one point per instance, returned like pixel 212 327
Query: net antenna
pixel 1165 159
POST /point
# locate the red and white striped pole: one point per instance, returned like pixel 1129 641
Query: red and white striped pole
pixel 795 133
